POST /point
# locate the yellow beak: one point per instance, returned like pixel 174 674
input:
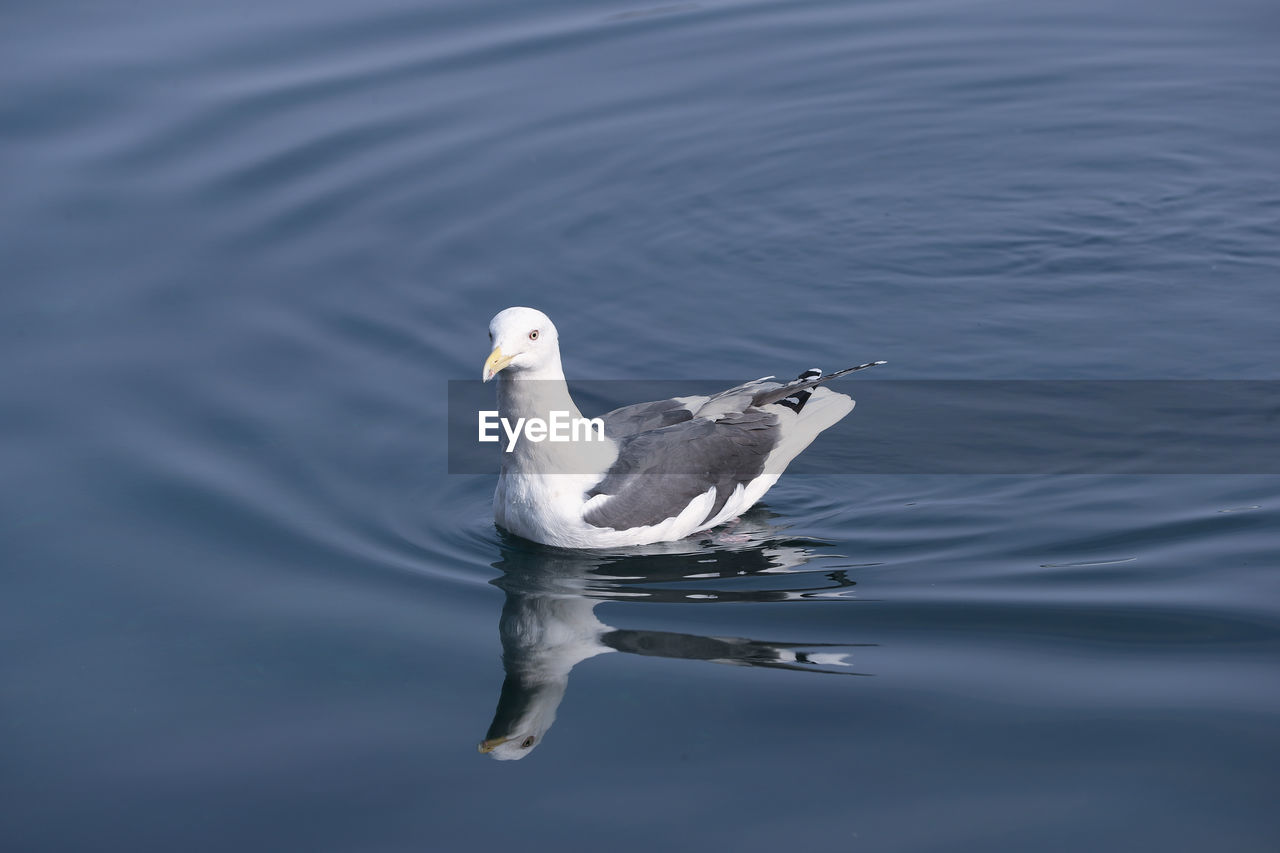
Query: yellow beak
pixel 491 744
pixel 494 363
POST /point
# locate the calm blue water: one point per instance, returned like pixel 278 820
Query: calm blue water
pixel 244 245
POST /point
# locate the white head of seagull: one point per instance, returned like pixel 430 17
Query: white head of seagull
pixel 525 344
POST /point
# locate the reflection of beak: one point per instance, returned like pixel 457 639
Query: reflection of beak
pixel 492 743
pixel 495 362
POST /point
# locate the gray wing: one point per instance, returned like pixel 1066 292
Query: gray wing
pixel 641 417
pixel 658 472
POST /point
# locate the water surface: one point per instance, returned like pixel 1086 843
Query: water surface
pixel 244 246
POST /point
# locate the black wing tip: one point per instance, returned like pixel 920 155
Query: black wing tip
pixel 852 369
pixel 816 376
pixel 799 388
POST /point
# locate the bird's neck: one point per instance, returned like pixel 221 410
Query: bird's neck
pixel 545 396
pixel 535 395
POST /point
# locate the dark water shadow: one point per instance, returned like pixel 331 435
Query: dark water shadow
pixel 548 623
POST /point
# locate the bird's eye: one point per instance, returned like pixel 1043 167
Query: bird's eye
pixel 527 742
pixel 533 336
pixel 491 337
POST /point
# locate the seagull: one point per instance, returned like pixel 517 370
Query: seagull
pixel 662 470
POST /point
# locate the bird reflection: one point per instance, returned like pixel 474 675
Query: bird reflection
pixel 549 625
